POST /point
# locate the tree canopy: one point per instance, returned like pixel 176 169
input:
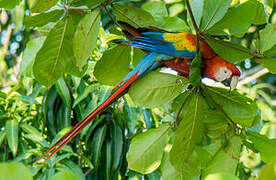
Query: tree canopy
pixel 58 63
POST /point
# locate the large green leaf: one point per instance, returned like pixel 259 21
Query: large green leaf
pixel 270 64
pixel 11 129
pixel 64 175
pixel 235 22
pixel 43 18
pixel 213 11
pixel 85 38
pixel 197 8
pixel 40 6
pixel 229 51
pixel 268 37
pixel 226 159
pixel 113 65
pixel 9 4
pixel 189 131
pixel 146 150
pixel 12 171
pixel 239 108
pixel 32 47
pixel 156 89
pixel 265 146
pixel 55 57
pixel 134 16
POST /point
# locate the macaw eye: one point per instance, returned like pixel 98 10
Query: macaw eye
pixel 225 72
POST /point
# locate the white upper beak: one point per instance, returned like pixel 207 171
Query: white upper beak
pixel 234 82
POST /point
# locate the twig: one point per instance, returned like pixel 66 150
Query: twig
pixel 87 172
pixel 253 77
pixel 111 17
pixel 192 16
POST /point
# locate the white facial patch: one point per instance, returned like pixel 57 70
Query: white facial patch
pixel 222 74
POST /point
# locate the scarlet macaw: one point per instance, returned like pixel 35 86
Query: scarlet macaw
pixel 174 50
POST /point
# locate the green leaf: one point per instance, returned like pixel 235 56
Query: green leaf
pixel 229 51
pixel 11 171
pixel 268 172
pixel 189 131
pixel 134 16
pixel 113 66
pixel 11 129
pixel 221 176
pixel 173 24
pixel 265 146
pixel 239 108
pixel 268 37
pixel 197 8
pixel 2 136
pixel 138 55
pixel 235 22
pixel 270 64
pixel 9 4
pixel 56 54
pixel 18 15
pixel 168 172
pixel 85 38
pixel 63 91
pixel 213 11
pixel 146 150
pixel 43 18
pixel 40 6
pixel 73 168
pixel 226 159
pixel 156 89
pixel 157 9
pixel 64 175
pixel 32 47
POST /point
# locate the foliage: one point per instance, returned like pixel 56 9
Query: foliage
pixel 57 63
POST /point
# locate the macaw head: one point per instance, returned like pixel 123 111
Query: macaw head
pixel 221 70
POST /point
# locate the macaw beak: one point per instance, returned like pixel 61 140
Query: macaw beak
pixel 234 82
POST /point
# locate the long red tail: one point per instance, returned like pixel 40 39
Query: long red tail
pixel 82 124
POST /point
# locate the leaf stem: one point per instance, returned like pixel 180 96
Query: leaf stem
pixel 192 16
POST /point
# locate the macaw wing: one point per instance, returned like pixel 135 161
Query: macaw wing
pixel 172 44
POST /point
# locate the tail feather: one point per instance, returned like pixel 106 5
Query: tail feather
pixel 147 64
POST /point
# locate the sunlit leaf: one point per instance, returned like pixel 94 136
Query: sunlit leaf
pixel 268 37
pixel 134 16
pixel 146 150
pixel 85 37
pixel 43 18
pixel 265 146
pixel 55 57
pixel 156 89
pixel 64 175
pixel 270 64
pixel 11 129
pixel 40 6
pixel 213 11
pixel 221 176
pixel 113 65
pixel 11 171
